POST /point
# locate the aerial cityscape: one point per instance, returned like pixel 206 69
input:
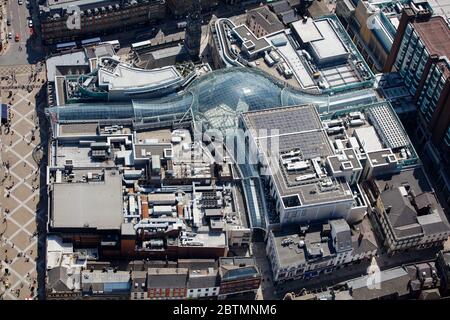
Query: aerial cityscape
pixel 225 150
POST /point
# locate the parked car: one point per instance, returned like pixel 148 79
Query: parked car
pixel 20 2
pixel 30 23
pixel 8 21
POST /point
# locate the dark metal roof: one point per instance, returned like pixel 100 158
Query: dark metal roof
pixel 203 279
pixel 167 277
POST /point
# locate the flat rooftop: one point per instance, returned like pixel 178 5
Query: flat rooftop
pixel 88 204
pixel 64 4
pixel 331 45
pixel 249 40
pixel 349 155
pixel 435 34
pixel 285 120
pixel 440 7
pixel 292 254
pixel 74 59
pixel 123 76
pixel 78 129
pixel 296 131
pixel 322 37
pixel 307 30
pixel 81 156
pixel 301 73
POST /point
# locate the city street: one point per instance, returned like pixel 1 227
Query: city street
pixel 28 50
pixel 267 289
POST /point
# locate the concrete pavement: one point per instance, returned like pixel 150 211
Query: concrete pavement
pixel 19 190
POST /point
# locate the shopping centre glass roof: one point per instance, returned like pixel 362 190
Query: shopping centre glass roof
pixel 216 98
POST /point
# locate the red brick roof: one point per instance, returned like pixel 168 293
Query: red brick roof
pixel 435 34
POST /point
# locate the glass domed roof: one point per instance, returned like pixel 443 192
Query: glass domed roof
pixel 222 95
pixel 216 98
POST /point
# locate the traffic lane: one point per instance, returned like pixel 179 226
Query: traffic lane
pixel 15 27
pixel 19 25
pixel 19 15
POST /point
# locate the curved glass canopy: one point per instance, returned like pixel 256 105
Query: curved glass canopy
pixel 215 98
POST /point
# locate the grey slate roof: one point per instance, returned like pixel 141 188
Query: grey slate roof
pixel 266 19
pixel 138 281
pixel 57 279
pixel 167 277
pixel 203 279
pixel 392 281
pixel 280 6
pixel 406 219
pixel 343 234
pixel 197 263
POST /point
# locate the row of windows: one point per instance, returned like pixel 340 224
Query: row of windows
pixel 206 289
pixel 86 22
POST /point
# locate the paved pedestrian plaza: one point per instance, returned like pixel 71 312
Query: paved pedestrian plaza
pixel 19 182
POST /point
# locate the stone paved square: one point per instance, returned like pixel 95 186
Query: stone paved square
pixel 22 148
pixel 12 279
pixel 32 203
pixel 22 169
pixel 23 108
pixel 14 147
pixel 21 266
pixel 31 119
pixel 12 158
pixel 11 228
pixel 23 127
pixel 31 165
pixel 11 181
pixel 22 192
pixel 21 240
pixel 7 250
pixel 22 216
pixel 31 226
pixel 10 203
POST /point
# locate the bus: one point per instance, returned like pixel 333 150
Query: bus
pixel 114 43
pixel 90 41
pixel 141 45
pixel 66 46
pixel 5 113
